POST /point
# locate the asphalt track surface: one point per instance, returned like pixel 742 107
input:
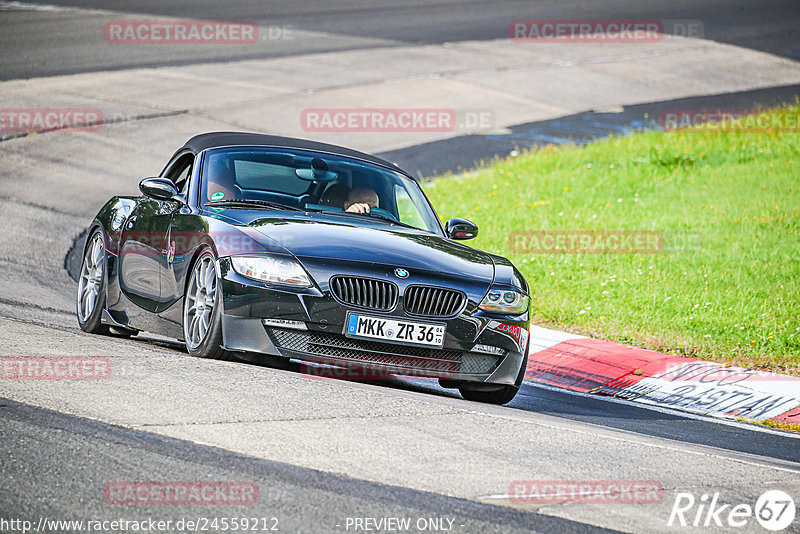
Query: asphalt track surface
pixel 467 151
pixel 39 42
pixel 61 446
pixel 96 449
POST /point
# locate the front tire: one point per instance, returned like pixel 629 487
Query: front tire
pixel 504 395
pixel 202 311
pixel 91 296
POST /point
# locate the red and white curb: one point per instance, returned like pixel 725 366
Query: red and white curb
pixel 589 365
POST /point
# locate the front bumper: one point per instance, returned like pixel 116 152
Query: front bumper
pixel 246 303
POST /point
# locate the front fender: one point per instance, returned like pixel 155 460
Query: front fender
pixel 505 274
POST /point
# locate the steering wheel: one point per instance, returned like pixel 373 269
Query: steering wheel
pixel 383 213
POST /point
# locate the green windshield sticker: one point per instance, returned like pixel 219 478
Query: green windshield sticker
pixel 219 195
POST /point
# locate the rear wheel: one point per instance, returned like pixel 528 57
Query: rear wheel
pixel 202 314
pixel 91 297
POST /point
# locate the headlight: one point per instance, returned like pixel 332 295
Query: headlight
pixel 504 301
pixel 282 271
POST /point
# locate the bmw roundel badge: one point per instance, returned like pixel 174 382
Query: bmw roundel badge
pixel 401 273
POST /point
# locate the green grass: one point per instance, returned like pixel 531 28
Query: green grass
pixel 726 284
pixel 772 423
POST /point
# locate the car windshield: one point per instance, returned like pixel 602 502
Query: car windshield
pixel 300 179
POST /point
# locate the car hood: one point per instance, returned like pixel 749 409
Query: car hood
pixel 335 239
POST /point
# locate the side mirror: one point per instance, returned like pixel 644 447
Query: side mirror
pixel 160 188
pixel 461 229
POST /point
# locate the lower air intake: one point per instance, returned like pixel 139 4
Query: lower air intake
pixel 406 359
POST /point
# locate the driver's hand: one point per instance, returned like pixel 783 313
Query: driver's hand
pixel 358 208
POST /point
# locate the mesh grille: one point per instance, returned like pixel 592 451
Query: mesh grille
pixel 472 363
pixel 432 301
pixel 364 292
pixel 419 360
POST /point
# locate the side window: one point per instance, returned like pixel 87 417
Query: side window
pixel 406 210
pixel 180 172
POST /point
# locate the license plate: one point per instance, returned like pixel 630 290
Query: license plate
pixel 384 328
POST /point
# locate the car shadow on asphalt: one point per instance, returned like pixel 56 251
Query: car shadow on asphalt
pixel 617 414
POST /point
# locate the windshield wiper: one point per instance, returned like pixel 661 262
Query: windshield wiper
pixel 249 203
pixel 372 216
pixel 263 204
pixel 393 221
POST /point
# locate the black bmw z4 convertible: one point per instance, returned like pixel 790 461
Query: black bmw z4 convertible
pixel 263 247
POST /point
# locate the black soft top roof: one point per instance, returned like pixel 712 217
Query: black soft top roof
pixel 201 142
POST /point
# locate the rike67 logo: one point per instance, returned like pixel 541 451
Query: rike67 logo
pixel 774 510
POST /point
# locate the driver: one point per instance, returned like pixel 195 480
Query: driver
pixel 360 200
